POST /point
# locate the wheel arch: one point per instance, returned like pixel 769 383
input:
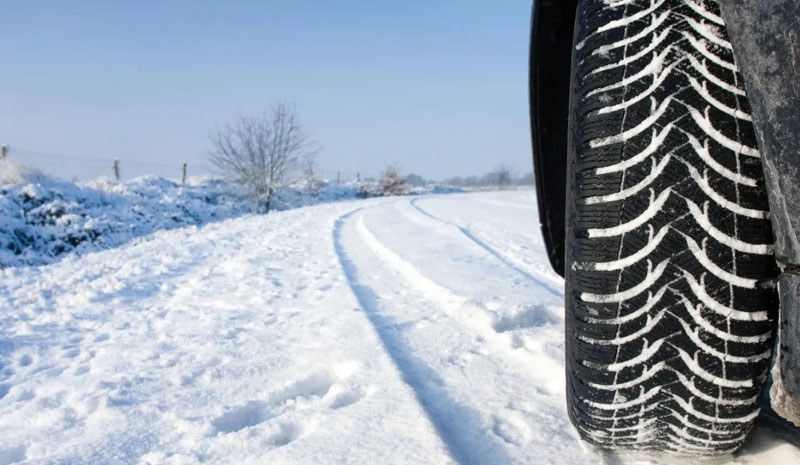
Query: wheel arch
pixel 552 25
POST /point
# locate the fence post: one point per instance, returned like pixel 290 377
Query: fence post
pixel 183 178
pixel 338 177
pixel 358 177
pixel 116 168
pixel 5 151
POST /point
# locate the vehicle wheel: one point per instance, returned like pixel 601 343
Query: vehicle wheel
pixel 671 298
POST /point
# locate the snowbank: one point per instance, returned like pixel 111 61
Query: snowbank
pixel 43 220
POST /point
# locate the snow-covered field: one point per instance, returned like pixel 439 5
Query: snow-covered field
pixel 385 331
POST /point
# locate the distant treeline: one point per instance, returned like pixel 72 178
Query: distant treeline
pixel 493 179
pixel 499 177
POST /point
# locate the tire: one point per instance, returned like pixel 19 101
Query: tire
pixel 671 296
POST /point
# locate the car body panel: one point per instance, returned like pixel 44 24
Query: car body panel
pixel 766 40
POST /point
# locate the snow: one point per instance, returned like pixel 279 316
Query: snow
pixel 398 330
pixel 781 400
pixel 44 220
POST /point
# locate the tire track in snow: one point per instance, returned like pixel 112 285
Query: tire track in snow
pixel 445 413
pixel 491 400
pixel 491 250
pixel 472 317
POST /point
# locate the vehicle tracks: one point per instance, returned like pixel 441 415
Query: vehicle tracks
pixel 503 257
pixel 474 383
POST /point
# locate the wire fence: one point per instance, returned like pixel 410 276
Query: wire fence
pixel 77 167
pixel 81 168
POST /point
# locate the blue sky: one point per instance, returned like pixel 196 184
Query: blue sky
pixel 437 86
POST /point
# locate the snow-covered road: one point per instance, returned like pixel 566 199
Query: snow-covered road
pixel 386 331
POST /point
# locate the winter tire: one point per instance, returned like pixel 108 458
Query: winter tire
pixel 670 280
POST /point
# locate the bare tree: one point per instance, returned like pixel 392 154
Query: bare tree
pixel 313 184
pixel 502 176
pixel 391 183
pixel 261 152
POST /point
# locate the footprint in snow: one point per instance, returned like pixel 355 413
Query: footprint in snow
pixel 71 353
pixel 81 370
pixel 344 397
pixel 510 426
pixel 517 341
pixel 25 396
pixel 245 416
pixel 320 388
pixel 316 385
pixel 256 412
pixel 288 432
pixel 53 371
pixel 528 317
pixel 6 373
